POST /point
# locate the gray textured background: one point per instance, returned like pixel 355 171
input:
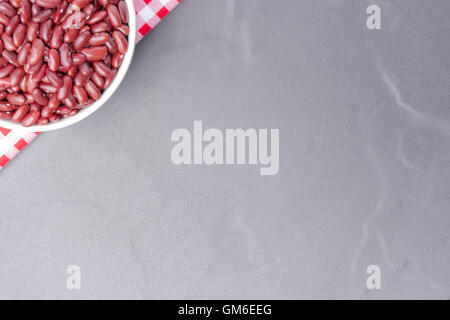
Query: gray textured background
pixel 364 174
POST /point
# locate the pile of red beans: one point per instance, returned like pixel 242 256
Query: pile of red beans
pixel 57 56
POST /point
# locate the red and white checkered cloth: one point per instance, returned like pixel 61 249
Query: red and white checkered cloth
pixel 148 14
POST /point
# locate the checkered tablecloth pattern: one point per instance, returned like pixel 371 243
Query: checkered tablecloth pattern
pixel 148 14
pixel 11 143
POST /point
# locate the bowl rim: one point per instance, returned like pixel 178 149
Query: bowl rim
pixel 86 112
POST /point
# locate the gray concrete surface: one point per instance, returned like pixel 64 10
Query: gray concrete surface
pixel 364 123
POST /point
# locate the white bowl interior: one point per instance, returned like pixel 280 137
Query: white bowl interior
pixel 83 113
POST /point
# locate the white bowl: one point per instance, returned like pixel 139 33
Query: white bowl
pixel 83 113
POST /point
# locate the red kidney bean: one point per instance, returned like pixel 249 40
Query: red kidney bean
pixel 70 35
pixel 97 17
pixel 20 113
pixel 64 56
pixel 40 74
pixel 101 69
pixel 62 110
pixel 23 54
pixel 78 58
pixel 80 79
pixel 47 88
pixel 16 76
pixel 108 25
pixel 53 60
pixel 53 118
pixel 111 45
pixel 124 29
pixel 26 67
pixel 23 83
pixel 4 19
pixel 70 101
pixel 99 27
pixel 5 115
pixel 54 79
pixel 89 10
pixel 53 102
pixel 99 39
pixel 60 11
pixel 47 110
pixel 98 80
pixel 16 98
pixel 107 60
pixel 72 71
pixel 42 121
pixel 12 24
pixel 121 41
pixel 94 53
pixel 39 97
pixel 123 10
pixel 13 89
pixel 74 21
pixel 79 4
pixel 86 104
pixel 4 82
pixel 14 3
pixel 7 9
pixel 113 15
pixel 71 113
pixel 7 107
pixel 3 61
pixel 36 51
pixel 35 9
pixel 42 16
pixel 80 93
pixel 56 39
pixel 81 40
pixel 85 68
pixel 29 98
pixel 85 28
pixel 32 31
pixel 31 84
pixel 110 79
pixel 92 90
pixel 45 31
pixel 103 2
pixel 11 57
pixel 64 91
pixel 68 12
pixel 25 11
pixel 35 107
pixel 6 70
pixel 45 78
pixel 32 69
pixel 48 3
pixel 117 60
pixel 31 118
pixel 19 35
pixel 8 42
